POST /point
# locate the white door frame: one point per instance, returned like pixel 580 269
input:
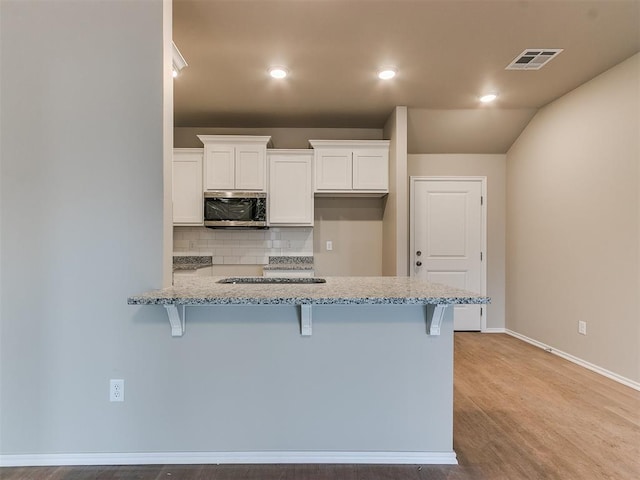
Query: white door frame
pixel 483 273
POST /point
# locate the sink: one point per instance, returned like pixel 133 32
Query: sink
pixel 271 280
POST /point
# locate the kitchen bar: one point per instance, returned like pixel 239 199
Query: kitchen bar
pixel 370 382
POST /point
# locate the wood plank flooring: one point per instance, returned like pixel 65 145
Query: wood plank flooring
pixel 519 413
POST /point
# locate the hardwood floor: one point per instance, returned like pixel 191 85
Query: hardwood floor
pixel 519 413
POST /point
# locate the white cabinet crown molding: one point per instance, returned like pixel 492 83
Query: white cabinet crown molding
pixel 349 143
pixel 257 139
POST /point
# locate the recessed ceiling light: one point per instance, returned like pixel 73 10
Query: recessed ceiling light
pixel 278 72
pixel 488 98
pixel 386 73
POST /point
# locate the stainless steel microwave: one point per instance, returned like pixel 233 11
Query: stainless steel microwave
pixel 235 209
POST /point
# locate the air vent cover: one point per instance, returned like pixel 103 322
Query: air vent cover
pixel 534 58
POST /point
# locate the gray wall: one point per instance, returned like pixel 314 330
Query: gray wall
pixel 573 223
pixel 81 223
pixel 230 383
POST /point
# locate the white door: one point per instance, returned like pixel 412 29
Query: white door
pixel 448 239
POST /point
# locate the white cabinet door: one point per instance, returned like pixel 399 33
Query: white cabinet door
pixel 235 162
pixel 370 169
pixel 187 186
pixel 249 173
pixel 290 187
pixel 351 167
pixel 334 170
pixel 220 167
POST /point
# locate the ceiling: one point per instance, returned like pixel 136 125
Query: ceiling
pixel 447 53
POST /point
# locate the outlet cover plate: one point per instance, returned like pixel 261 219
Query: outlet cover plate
pixel 116 390
pixel 582 327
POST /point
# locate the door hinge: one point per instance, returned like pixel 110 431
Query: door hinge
pixel 480 311
pixel 480 256
pixel 481 200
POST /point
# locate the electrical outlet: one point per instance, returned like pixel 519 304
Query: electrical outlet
pixel 582 327
pixel 329 245
pixel 116 390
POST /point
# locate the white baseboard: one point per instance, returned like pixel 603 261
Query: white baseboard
pixel 583 363
pixel 201 458
pixel 495 330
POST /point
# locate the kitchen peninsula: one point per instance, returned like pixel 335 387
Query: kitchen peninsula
pixel 354 370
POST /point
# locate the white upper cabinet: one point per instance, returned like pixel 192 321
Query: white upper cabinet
pixel 371 169
pixel 334 169
pixel 250 167
pixel 234 162
pixel 187 186
pixel 290 192
pixel 351 166
pixel 220 167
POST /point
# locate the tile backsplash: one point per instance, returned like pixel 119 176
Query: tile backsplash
pixel 242 247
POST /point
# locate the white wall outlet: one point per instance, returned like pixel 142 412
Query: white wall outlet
pixel 582 327
pixel 329 245
pixel 116 390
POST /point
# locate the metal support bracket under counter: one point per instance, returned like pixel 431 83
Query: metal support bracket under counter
pixel 435 315
pixel 177 319
pixel 305 320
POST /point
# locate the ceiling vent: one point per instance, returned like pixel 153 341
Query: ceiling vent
pixel 533 58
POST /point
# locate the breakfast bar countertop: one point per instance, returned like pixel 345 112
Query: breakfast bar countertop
pixel 336 290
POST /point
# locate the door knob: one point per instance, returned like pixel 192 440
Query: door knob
pixel 418 253
pixel 419 263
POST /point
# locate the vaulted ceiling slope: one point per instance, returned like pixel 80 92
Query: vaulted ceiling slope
pixel 447 53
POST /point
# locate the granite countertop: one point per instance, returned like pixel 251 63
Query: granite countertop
pixel 336 290
pixel 191 262
pixel 289 263
pixel 288 266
